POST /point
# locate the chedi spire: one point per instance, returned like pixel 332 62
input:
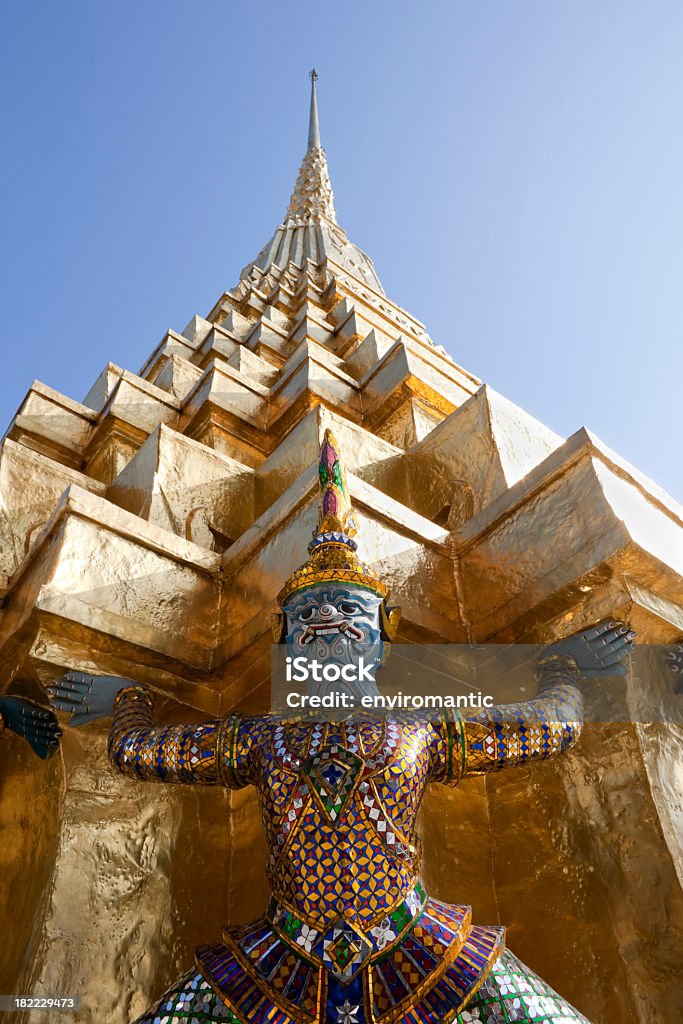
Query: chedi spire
pixel 310 230
pixel 312 195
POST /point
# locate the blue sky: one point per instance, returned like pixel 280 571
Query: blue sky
pixel 514 170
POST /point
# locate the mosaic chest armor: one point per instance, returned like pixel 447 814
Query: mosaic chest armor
pixel 349 923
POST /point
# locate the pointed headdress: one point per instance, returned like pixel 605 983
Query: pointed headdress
pixel 332 552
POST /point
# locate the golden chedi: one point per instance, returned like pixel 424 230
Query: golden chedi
pixel 146 534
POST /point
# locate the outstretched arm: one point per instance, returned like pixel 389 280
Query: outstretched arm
pixel 178 753
pixel 513 734
pixel 212 753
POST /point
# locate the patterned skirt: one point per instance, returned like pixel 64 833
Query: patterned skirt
pixel 511 994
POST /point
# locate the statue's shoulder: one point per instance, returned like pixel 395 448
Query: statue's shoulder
pixel 247 731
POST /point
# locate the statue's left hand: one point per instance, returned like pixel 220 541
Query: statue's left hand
pixel 600 650
pixel 86 697
pixel 38 725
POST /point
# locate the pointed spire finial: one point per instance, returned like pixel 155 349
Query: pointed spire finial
pixel 335 511
pixel 332 552
pixel 313 125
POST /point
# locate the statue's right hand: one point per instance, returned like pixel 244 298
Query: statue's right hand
pixel 86 697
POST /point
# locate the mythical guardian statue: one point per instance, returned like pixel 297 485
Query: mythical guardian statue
pixel 350 935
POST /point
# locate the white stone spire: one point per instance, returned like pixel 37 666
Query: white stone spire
pixel 310 230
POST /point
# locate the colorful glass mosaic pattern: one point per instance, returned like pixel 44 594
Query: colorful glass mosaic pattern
pixel 513 994
pixel 510 994
pixel 335 512
pixel 190 1001
pixel 350 932
pixel 428 974
pixel 516 733
pixel 332 776
pixel 186 754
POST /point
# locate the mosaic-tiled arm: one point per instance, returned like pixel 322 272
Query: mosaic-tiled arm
pixel 511 734
pixel 213 753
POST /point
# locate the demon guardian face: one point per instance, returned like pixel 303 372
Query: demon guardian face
pixel 336 625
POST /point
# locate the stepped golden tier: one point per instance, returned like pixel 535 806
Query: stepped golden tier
pixel 146 533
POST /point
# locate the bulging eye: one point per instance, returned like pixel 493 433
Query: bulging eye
pixel 346 608
pixel 307 613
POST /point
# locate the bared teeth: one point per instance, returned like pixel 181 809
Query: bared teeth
pixel 326 628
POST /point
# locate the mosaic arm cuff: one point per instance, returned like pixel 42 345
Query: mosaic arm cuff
pixel 213 753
